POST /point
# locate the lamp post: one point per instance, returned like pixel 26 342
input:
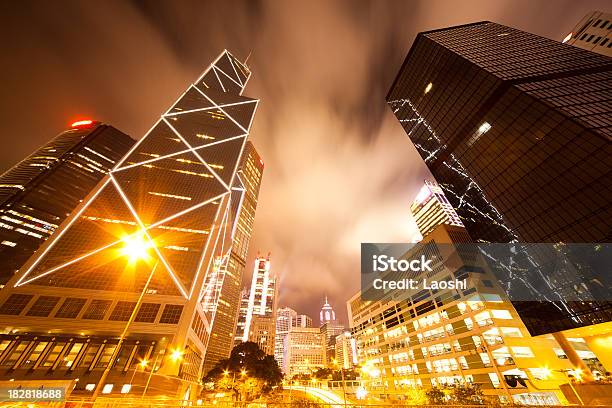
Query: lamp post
pixel 136 248
pixel 342 376
pixel 150 375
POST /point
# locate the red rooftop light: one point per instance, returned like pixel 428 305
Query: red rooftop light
pixel 82 123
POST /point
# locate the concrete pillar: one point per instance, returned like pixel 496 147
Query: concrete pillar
pixel 573 357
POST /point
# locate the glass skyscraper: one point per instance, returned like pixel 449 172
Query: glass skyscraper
pixel 257 318
pixel 224 287
pixel 516 129
pixel 137 253
pixel 39 192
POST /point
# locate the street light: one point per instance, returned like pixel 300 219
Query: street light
pixel 176 355
pixel 361 393
pixel 135 248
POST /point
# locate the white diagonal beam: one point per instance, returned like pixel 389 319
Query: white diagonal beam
pixel 178 284
pixel 149 227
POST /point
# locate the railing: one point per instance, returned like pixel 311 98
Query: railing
pixel 147 403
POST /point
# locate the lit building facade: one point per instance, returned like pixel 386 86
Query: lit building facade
pixel 446 337
pixel 304 351
pixel 302 321
pixel 431 208
pixel 287 318
pixel 346 350
pixel 38 193
pixel 593 32
pixel 224 295
pixel 501 119
pixel 257 320
pixel 284 321
pixel 114 298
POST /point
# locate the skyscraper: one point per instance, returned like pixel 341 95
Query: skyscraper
pixel 119 288
pixel 434 337
pixel 257 322
pixel 330 328
pixel 304 351
pixel 223 297
pixel 284 321
pixel 301 320
pixel 327 313
pixel 431 208
pixel 346 350
pixel 503 122
pixel 38 193
pixel 593 32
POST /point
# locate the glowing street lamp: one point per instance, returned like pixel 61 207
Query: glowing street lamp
pixel 176 355
pixel 545 372
pixel 144 363
pixel 361 393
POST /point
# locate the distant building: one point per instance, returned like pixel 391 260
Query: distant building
pixel 327 313
pixel 258 319
pixel 330 328
pixel 346 350
pixel 304 351
pixel 263 332
pixel 593 32
pixel 242 314
pixel 39 192
pixel 431 208
pixel 285 318
pixel 284 321
pixel 302 321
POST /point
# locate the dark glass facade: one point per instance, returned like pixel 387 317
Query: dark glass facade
pixel 153 227
pixel 225 304
pixel 517 130
pixel 38 193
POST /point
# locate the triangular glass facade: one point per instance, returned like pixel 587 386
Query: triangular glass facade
pixel 171 192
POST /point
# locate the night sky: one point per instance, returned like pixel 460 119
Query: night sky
pixel 339 169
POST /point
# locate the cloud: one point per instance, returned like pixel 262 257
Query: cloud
pixel 339 168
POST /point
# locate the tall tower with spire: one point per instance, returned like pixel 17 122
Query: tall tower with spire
pixel 327 313
pixel 330 328
pixel 120 286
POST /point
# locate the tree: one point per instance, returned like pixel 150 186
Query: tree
pixel 466 394
pixel 248 372
pixel 435 396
